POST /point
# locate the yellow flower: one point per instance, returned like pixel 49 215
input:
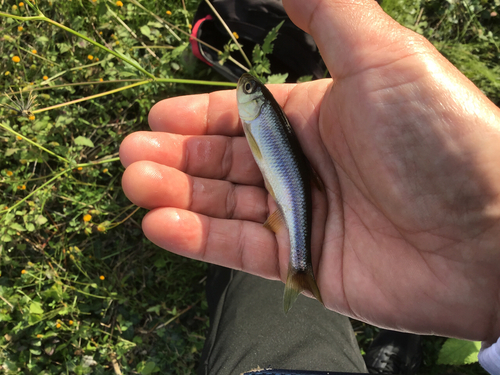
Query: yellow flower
pixel 236 35
pixel 19 137
pixel 169 12
pixel 101 277
pixel 101 228
pixel 79 168
pixel 9 173
pixel 39 336
pixel 117 42
pixel 87 218
pixel 190 26
pixel 33 51
pixel 21 4
pixel 19 28
pixel 31 118
pixel 105 170
pixel 119 3
pixel 100 80
pixel 90 57
pixel 16 59
pixel 97 59
pixel 70 322
pixel 23 272
pixel 45 78
pixel 22 187
pixel 58 325
pixel 14 7
pixel 7 73
pixel 100 32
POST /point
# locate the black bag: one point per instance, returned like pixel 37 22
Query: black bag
pixel 295 52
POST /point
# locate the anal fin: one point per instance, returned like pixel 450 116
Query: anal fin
pixel 275 221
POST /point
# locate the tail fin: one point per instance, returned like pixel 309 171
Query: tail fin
pixel 296 282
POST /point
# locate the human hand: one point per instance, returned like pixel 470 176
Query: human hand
pixel 406 233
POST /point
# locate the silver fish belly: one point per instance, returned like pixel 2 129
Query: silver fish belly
pixel 287 177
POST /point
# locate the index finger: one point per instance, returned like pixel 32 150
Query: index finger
pixel 204 114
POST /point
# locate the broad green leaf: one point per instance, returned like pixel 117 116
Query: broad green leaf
pixel 17 227
pixel 63 47
pixel 42 39
pixel 178 50
pixel 30 227
pixel 40 220
pixel 5 317
pixel 6 238
pixel 36 343
pixel 63 120
pixel 102 9
pixel 137 340
pixel 277 78
pixel 458 352
pixel 83 141
pixel 160 263
pixel 11 366
pixel 158 25
pixel 36 307
pixel 11 151
pixel 148 368
pixel 155 309
pixel 306 78
pixel 77 23
pixel 146 30
pixel 267 46
pixel 126 74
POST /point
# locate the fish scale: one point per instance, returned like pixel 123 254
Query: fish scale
pixel 289 191
pixel 287 174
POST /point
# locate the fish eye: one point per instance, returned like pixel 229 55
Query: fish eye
pixel 249 87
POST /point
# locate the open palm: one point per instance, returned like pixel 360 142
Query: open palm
pixel 405 232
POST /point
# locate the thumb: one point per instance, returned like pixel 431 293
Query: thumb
pixel 349 32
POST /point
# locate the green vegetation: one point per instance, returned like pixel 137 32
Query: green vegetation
pixel 81 290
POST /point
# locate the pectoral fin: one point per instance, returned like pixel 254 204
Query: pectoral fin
pixel 253 144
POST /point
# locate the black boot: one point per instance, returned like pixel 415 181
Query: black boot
pixel 394 353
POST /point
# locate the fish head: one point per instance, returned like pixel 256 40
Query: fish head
pixel 250 97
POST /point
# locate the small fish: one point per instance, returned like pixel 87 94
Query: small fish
pixel 287 176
